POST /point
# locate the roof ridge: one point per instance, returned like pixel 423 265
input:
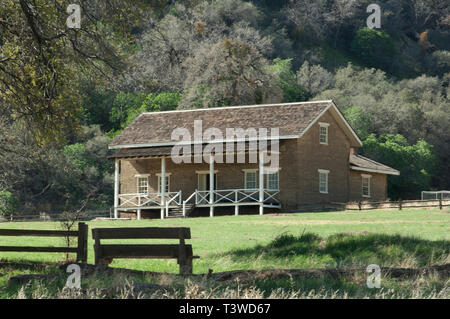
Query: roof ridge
pixel 238 107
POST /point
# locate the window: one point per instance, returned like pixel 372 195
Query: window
pixel 272 181
pixel 167 183
pixel 366 185
pixel 323 181
pixel 323 133
pixel 142 184
pixel 251 179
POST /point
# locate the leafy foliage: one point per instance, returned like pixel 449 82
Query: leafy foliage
pixel 9 204
pixel 373 47
pixel 417 163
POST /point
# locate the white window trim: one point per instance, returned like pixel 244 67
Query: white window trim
pixel 142 176
pixel 167 181
pixel 327 172
pixel 278 181
pixel 369 177
pixel 250 170
pixel 206 172
pixel 325 125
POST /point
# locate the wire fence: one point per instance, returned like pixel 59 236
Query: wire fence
pixel 444 195
pixel 43 217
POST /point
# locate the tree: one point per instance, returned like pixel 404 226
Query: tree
pixel 230 72
pixel 417 163
pixel 41 58
pixel 170 44
pixel 374 47
pixel 314 79
pixel 292 92
pixel 9 204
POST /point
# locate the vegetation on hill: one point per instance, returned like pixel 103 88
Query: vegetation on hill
pixel 64 93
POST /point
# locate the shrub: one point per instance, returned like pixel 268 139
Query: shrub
pixel 373 47
pixel 9 204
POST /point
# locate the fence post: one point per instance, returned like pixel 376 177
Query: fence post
pixel 400 204
pixel 440 203
pixel 82 242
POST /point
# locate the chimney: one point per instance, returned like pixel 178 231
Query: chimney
pixel 353 151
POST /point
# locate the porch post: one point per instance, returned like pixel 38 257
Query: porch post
pixel 116 188
pixel 211 185
pixel 163 185
pixel 261 183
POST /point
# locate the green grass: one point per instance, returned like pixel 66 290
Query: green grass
pixel 221 241
pixel 410 238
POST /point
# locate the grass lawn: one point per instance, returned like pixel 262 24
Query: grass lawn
pixel 408 238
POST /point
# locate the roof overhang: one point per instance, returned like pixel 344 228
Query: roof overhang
pixel 371 170
pixel 181 143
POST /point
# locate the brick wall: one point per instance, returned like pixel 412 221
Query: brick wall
pixel 378 184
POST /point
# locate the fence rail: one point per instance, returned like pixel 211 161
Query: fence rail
pixel 80 250
pixel 427 203
pixel 88 215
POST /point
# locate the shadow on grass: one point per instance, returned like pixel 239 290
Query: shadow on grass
pixel 24 265
pixel 349 250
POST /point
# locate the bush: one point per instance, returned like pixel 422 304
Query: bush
pixel 373 47
pixel 9 204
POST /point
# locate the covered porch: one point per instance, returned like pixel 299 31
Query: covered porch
pixel 157 184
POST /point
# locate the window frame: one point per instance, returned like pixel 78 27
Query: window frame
pixel 251 171
pixel 323 172
pixel 140 177
pixel 167 175
pixel 277 181
pixel 369 180
pixel 325 126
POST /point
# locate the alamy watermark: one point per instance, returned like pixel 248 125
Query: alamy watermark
pixel 74 19
pixel 374 20
pixel 228 147
pixel 374 279
pixel 74 279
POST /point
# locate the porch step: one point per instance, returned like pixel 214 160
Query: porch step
pixel 177 212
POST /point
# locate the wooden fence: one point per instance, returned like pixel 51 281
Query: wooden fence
pixel 438 203
pixel 80 250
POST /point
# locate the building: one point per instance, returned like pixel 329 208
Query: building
pixel 314 146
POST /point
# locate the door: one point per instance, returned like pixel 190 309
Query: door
pixel 203 182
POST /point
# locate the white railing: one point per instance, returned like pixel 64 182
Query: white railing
pixel 235 196
pixel 173 199
pixel 147 199
pixel 186 201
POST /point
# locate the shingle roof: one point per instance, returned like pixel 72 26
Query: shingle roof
pixel 155 129
pixel 361 163
pixel 159 151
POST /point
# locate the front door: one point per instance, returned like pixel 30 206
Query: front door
pixel 203 182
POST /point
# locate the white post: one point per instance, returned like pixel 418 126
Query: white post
pixel 236 210
pixel 163 185
pixel 116 189
pixel 211 185
pixel 261 183
pixel 138 214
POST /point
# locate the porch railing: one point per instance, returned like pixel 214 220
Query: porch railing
pixel 148 199
pixel 175 199
pixel 236 196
